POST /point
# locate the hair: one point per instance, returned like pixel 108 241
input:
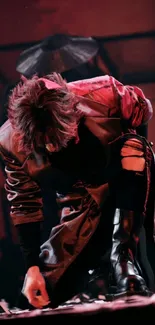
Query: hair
pixel 40 115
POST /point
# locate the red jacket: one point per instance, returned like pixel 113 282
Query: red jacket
pixel 105 102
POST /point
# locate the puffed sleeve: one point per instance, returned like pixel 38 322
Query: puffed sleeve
pixel 24 196
pixel 133 106
pixel 23 193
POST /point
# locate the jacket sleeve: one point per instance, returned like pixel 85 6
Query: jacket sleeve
pixel 23 193
pixel 133 106
pixel 24 196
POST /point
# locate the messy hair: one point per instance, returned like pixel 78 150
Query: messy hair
pixel 37 113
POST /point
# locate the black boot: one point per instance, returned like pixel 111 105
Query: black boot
pixel 127 273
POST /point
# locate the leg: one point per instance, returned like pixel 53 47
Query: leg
pixel 131 192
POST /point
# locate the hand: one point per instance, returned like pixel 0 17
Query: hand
pixel 34 282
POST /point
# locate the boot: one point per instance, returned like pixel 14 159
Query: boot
pixel 127 272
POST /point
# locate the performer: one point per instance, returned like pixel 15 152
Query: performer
pixel 80 140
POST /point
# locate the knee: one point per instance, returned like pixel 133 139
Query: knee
pixel 132 155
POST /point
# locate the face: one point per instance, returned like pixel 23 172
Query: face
pixel 50 147
pixel 48 144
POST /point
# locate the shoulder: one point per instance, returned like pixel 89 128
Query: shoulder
pixel 85 86
pixel 9 144
pixel 6 135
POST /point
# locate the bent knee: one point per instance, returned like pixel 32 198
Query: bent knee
pixel 132 155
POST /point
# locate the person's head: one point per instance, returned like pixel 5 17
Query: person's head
pixel 43 116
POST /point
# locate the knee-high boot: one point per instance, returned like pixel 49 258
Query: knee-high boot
pixel 127 274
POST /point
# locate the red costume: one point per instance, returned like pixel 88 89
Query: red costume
pixel 92 187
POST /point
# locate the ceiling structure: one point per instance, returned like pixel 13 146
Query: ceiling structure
pixel 125 31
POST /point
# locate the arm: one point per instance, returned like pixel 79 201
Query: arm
pixel 25 200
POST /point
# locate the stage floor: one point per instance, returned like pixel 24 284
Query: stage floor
pixel 133 309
